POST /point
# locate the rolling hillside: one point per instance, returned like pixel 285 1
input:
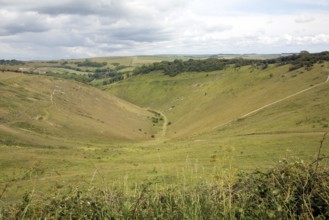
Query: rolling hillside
pixel 39 110
pixel 201 102
pixel 195 125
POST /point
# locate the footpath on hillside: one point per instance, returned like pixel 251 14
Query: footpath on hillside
pixel 272 103
pixel 164 125
pixel 162 134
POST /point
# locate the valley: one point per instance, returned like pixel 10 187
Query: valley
pixel 59 133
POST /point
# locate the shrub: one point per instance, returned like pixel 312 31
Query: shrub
pixel 291 190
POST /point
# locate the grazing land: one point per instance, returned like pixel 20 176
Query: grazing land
pixel 141 128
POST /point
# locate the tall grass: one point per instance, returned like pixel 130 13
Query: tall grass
pixel 292 189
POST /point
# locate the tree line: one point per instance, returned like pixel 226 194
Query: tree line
pixel 88 63
pixel 11 62
pixel 177 66
pixel 107 75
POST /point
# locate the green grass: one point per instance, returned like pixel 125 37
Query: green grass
pixel 63 71
pixel 165 164
pixel 56 145
pixel 290 190
pixel 198 102
pixel 44 111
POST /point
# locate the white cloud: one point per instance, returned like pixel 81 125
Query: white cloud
pixel 312 2
pixel 304 40
pixel 83 28
pixel 304 19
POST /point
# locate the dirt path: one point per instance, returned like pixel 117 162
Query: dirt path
pixel 164 125
pixel 162 134
pixel 62 176
pixel 57 89
pixel 8 129
pixel 270 104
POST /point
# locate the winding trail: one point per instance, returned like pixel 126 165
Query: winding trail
pixel 162 134
pixel 272 103
pixel 164 125
pixel 62 176
pixel 52 97
pixel 57 89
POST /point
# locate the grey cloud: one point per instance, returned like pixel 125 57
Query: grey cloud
pixel 79 28
pixel 141 35
pixel 53 39
pixel 23 27
pixel 83 7
pixel 111 8
pixel 25 22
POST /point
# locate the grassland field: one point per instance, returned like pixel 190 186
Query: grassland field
pixel 56 134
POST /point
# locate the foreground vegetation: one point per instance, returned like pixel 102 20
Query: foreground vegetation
pixel 290 190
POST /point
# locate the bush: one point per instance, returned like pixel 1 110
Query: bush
pixel 291 190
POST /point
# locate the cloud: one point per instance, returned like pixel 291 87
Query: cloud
pixel 83 28
pixel 15 23
pixel 307 40
pixel 312 2
pixel 83 7
pixel 140 35
pixel 304 19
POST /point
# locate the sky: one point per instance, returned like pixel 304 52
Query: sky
pixel 62 29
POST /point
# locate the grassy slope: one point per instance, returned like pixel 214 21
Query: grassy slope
pixel 44 111
pixel 292 127
pixel 196 103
